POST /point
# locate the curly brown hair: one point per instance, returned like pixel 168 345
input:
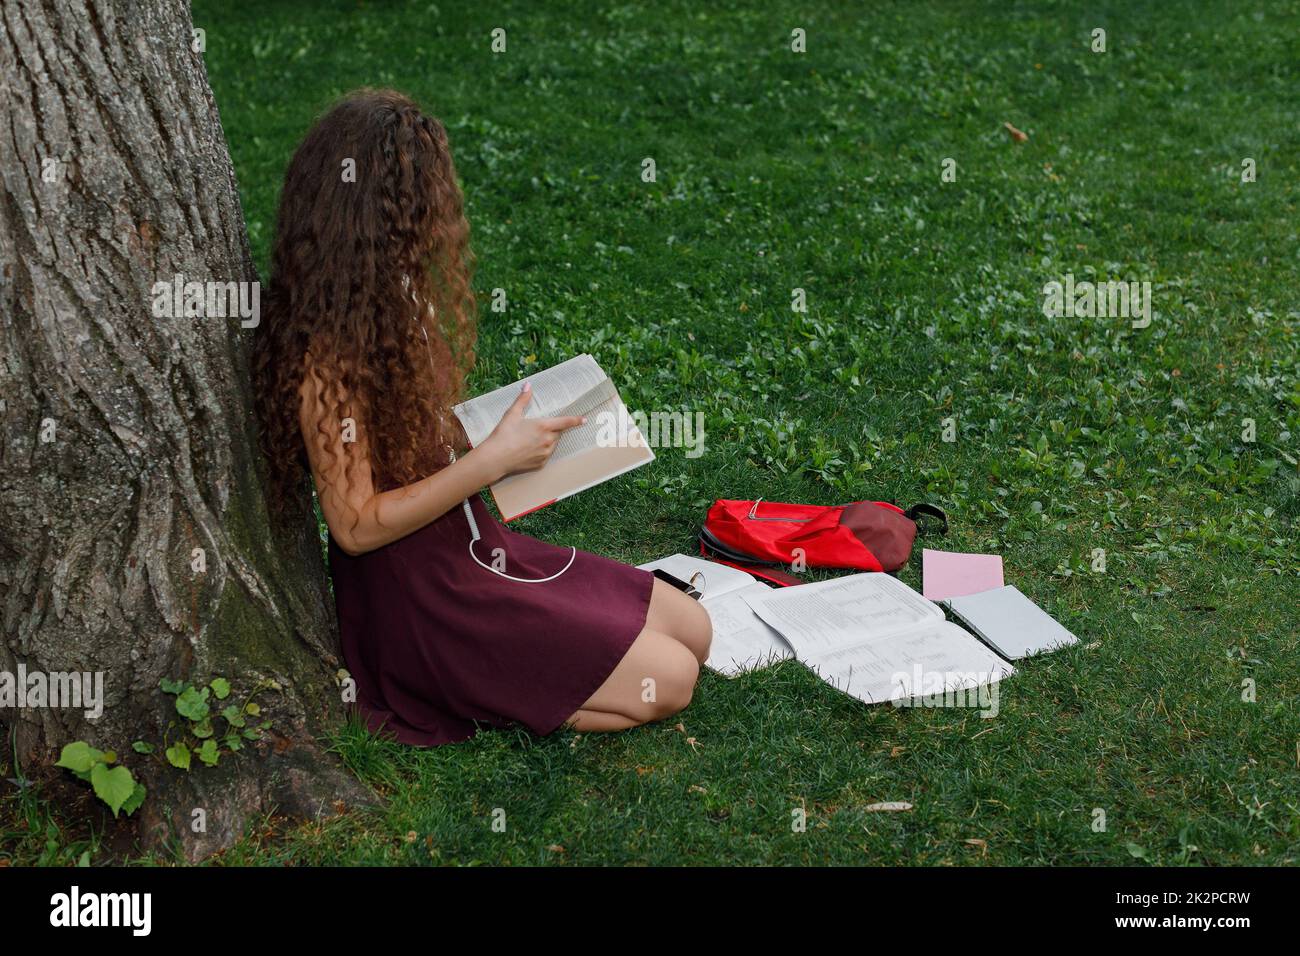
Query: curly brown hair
pixel 370 275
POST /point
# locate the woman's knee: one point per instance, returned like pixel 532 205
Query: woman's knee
pixel 681 618
pixel 697 631
pixel 655 679
pixel 672 688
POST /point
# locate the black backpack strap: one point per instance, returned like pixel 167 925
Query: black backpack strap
pixel 708 540
pixel 916 512
pixel 712 548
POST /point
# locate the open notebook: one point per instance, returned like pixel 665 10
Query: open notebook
pixel 607 446
pixel 741 641
pixel 874 638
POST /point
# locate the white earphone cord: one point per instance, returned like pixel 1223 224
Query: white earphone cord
pixel 475 537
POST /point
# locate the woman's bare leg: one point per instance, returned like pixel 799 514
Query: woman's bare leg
pixel 599 722
pixel 681 618
pixel 655 679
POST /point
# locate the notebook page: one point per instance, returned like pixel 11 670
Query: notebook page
pixel 830 615
pixel 718 578
pixel 741 640
pixel 925 660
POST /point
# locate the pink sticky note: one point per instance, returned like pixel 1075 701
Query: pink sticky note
pixel 947 574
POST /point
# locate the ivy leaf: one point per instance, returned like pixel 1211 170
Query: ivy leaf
pixel 192 705
pixel 79 757
pixel 178 755
pixel 203 729
pixel 209 753
pixel 233 716
pixel 253 734
pixel 141 747
pixel 221 687
pixel 134 801
pixel 113 785
pixel 171 686
pixel 233 742
pixel 252 709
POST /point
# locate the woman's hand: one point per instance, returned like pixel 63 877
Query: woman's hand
pixel 524 444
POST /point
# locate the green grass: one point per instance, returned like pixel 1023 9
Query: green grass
pixel 822 171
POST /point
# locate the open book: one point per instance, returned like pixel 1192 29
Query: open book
pixel 874 638
pixel 741 641
pixel 607 446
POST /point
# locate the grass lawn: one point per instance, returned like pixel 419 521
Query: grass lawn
pixel 822 171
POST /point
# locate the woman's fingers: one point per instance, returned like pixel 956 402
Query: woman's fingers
pixel 521 401
pixel 563 423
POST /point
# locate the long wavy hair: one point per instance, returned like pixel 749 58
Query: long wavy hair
pixel 370 276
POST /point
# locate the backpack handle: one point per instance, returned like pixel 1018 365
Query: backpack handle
pixel 930 511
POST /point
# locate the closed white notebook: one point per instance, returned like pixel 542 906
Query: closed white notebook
pixel 1010 623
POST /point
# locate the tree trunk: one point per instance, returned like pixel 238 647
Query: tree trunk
pixel 128 438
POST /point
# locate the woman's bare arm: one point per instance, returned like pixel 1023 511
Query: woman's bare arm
pixel 362 520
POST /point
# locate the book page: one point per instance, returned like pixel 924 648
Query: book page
pixel 923 661
pixel 741 641
pixel 830 615
pixel 608 445
pixel 528 490
pixel 598 405
pixel 553 389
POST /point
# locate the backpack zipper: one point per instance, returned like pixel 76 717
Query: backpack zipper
pixel 753 516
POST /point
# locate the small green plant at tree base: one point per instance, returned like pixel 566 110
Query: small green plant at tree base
pixel 199 736
pixel 116 786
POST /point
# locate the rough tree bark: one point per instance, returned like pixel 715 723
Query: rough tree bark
pixel 153 451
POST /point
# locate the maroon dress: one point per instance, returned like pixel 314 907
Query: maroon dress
pixel 437 643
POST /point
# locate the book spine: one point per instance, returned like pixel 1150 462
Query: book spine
pixel 529 511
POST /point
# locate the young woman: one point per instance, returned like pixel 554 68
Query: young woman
pixel 366 340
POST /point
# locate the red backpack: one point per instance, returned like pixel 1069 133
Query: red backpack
pixel 863 535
